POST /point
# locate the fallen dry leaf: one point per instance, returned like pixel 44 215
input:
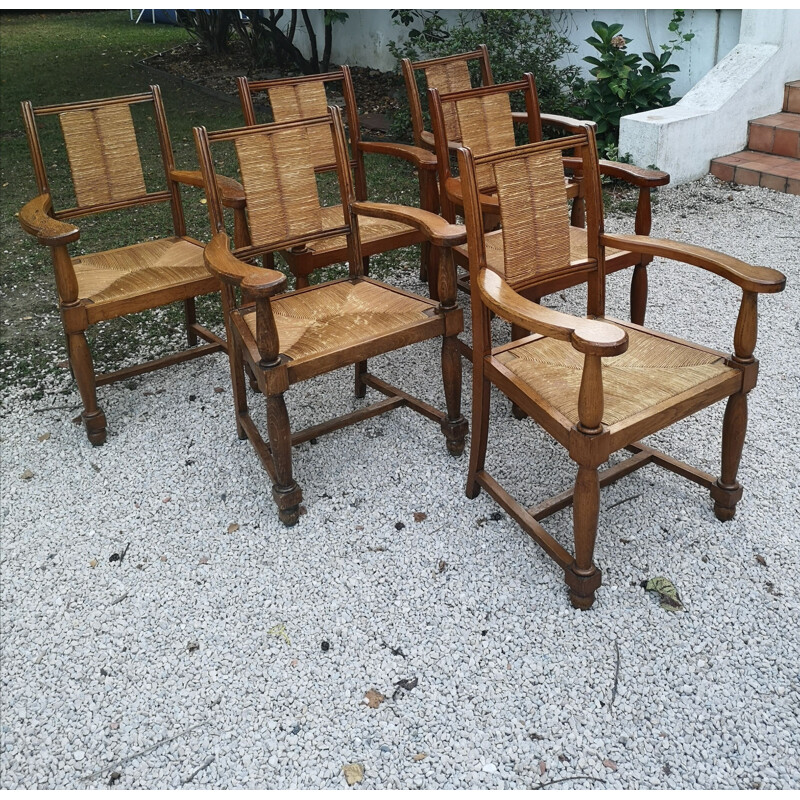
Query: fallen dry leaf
pixel 420 516
pixel 93 563
pixel 279 630
pixel 163 558
pixel 233 527
pixel 218 390
pixel 166 500
pixel 761 560
pixel 203 560
pixel 542 768
pixel 44 437
pixel 113 725
pixel 27 475
pixel 607 762
pixel 374 698
pixel 192 646
pixel 420 756
pixel 353 773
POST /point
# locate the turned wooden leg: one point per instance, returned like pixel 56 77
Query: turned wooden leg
pixel 191 318
pixel 454 426
pixel 360 386
pixel 285 491
pixel 727 491
pixel 639 294
pixel 582 576
pixel 80 360
pixel 518 332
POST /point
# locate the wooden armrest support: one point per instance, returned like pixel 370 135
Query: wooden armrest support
pixel 592 337
pixel 748 277
pixel 255 280
pixel 418 156
pixel 35 219
pixel 519 117
pixel 230 190
pixel 489 202
pixel 438 231
pixel 636 176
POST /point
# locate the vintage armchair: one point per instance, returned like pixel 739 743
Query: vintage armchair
pixel 107 174
pixel 291 99
pixel 486 124
pixel 290 337
pixel 596 385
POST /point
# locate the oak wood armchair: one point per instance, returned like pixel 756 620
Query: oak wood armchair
pixel 594 384
pixel 485 123
pixel 291 337
pixel 107 175
pixel 302 97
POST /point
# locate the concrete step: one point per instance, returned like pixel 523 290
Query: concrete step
pixel 752 168
pixel 791 97
pixel 778 134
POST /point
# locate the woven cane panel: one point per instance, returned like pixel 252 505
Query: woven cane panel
pixel 450 77
pixel 534 215
pixel 277 173
pixel 138 269
pixel 103 155
pixel 304 101
pixel 371 229
pixel 651 371
pixel 339 315
pixel 495 257
pixel 486 126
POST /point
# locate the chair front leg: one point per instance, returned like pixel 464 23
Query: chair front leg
pixel 454 426
pixel 642 227
pixel 582 577
pixel 285 491
pixel 80 359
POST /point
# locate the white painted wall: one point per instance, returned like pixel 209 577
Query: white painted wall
pixel 363 39
pixel 711 119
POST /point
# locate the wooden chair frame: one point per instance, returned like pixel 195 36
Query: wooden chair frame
pixel 79 309
pixel 583 429
pixel 302 260
pixel 451 200
pixel 261 347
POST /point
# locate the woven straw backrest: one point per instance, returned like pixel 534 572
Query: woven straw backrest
pixel 534 215
pixel 103 155
pixel 486 126
pixel 451 76
pixel 305 101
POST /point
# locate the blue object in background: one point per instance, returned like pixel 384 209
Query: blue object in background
pixel 154 15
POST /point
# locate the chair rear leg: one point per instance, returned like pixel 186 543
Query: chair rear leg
pixel 454 426
pixel 285 491
pixel 518 332
pixel 190 313
pixel 727 491
pixel 481 395
pixel 80 360
pixel 582 576
pixel 639 294
pixel 237 365
pixel 360 386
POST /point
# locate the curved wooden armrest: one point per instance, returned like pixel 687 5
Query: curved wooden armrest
pixel 35 219
pixel 489 202
pixel 568 123
pixel 519 117
pixel 748 277
pixel 418 156
pixel 589 336
pixel 440 232
pixel 230 190
pixel 636 176
pixel 256 280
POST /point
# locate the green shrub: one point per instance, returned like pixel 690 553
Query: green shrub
pixel 519 41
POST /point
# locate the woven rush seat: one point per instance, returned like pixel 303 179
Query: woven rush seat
pixel 339 315
pixel 373 231
pixel 578 248
pixel 141 269
pixel 651 371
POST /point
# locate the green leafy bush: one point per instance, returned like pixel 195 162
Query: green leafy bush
pixel 519 41
pixel 625 82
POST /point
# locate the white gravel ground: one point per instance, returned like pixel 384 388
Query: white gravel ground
pixel 204 650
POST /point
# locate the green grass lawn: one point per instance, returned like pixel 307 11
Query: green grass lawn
pixel 63 57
